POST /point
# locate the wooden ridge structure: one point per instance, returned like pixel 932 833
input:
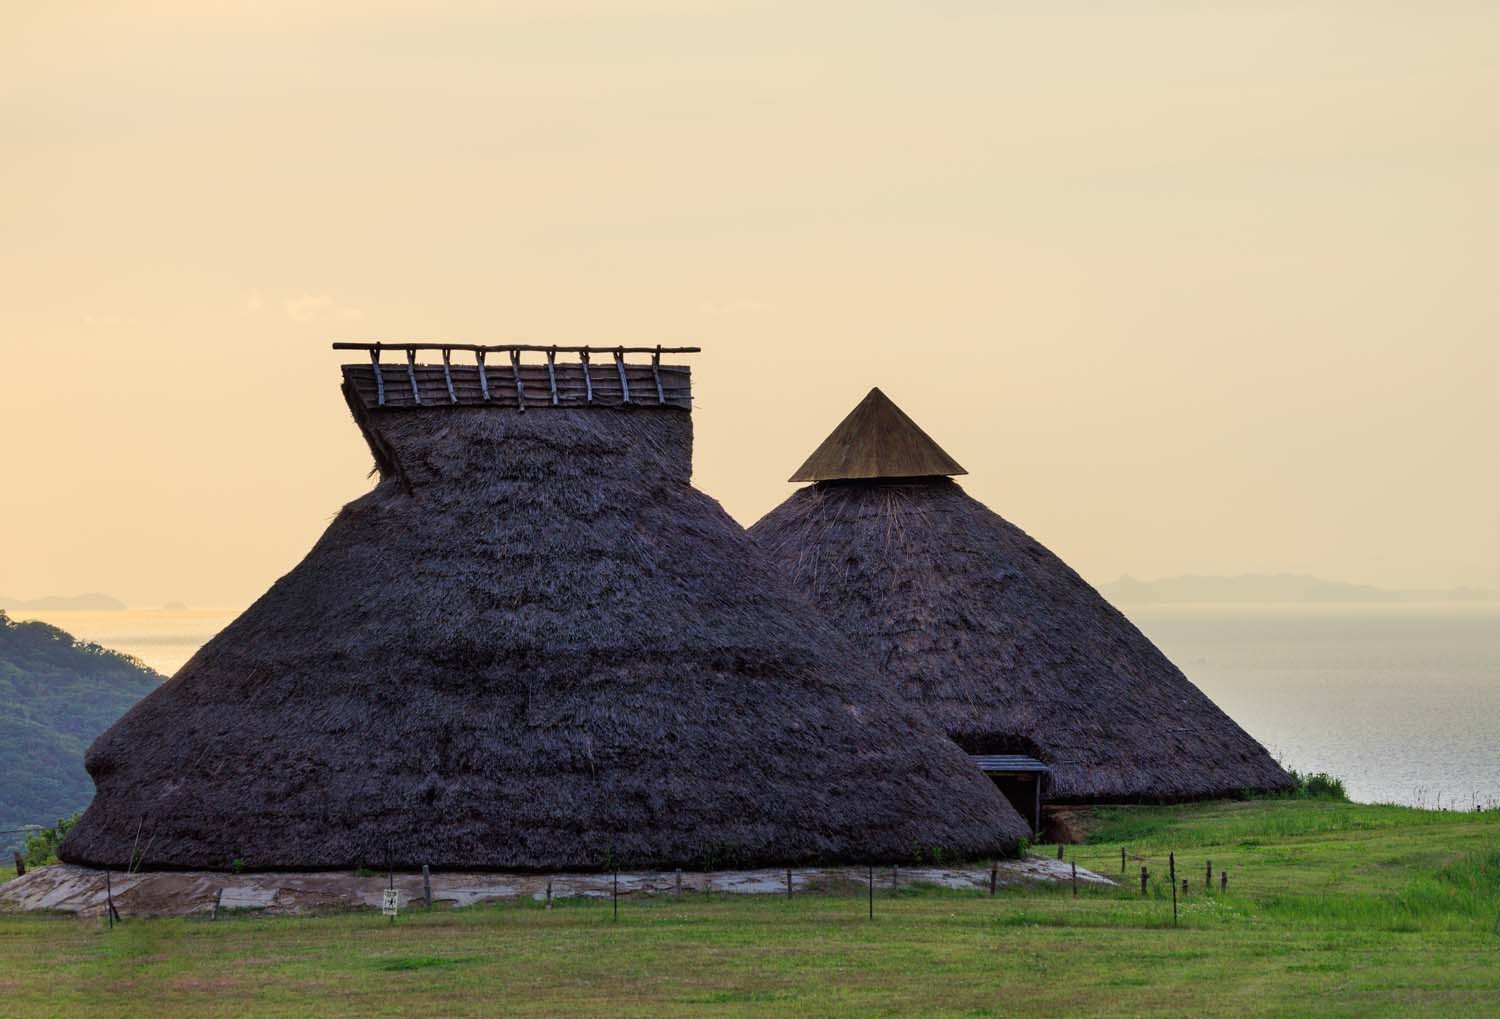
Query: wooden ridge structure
pixel 508 381
pixel 877 440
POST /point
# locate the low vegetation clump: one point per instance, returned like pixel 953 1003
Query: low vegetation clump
pixel 41 845
pixel 1317 785
pixel 1330 909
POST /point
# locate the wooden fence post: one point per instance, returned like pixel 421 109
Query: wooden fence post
pixel 1208 874
pixel 427 886
pixel 1122 859
pixel 1144 875
pixel 1075 879
pixel 549 893
pixel 789 884
pixel 20 865
pixel 1059 850
pixel 109 899
pixel 1223 881
pixel 994 876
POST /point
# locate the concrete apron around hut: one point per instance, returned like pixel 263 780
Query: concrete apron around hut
pixel 83 891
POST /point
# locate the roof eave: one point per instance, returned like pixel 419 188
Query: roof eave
pixel 814 477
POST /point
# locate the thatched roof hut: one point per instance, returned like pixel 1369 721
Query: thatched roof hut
pixel 533 646
pixel 992 635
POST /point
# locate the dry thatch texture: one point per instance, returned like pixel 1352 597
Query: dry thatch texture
pixel 1006 647
pixel 876 440
pixel 533 646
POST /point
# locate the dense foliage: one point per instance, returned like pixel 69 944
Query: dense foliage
pixel 41 845
pixel 58 695
pixel 1318 785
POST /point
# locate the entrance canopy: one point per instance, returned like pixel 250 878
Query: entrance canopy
pixel 1012 771
pixel 1008 764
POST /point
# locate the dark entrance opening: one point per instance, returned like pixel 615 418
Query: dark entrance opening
pixel 1024 791
pixel 1013 765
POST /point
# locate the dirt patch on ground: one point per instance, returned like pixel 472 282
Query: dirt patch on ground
pixel 84 892
pixel 1067 825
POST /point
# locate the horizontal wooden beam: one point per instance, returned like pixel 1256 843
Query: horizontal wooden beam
pixel 538 348
pixel 397 385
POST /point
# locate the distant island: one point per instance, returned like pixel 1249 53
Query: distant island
pixel 59 693
pixel 1278 587
pixel 64 603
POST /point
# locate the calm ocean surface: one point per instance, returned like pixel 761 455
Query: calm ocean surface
pixel 1401 701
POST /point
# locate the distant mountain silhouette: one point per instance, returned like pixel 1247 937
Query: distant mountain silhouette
pixel 56 695
pixel 64 603
pixel 1279 587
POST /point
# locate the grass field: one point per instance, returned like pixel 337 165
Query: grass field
pixel 1332 909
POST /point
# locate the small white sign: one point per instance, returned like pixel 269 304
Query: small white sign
pixel 391 903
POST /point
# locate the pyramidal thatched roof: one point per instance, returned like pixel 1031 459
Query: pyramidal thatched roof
pixel 534 645
pixel 1004 645
pixel 876 440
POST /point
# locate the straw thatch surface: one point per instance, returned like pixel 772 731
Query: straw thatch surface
pixel 533 646
pixel 1006 647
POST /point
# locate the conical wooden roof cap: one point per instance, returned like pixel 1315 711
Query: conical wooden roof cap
pixel 877 440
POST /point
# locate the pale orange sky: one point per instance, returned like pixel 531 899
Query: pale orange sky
pixel 1187 287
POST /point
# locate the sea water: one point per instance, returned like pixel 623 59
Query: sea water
pixel 163 639
pixel 1400 701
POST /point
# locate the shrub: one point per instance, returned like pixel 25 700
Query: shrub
pixel 1322 786
pixel 41 846
pixel 1318 785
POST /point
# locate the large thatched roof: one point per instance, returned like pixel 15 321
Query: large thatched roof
pixel 532 646
pixel 1004 645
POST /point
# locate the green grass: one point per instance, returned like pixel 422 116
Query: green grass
pixel 1332 910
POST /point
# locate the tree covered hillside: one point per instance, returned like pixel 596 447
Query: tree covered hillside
pixel 56 695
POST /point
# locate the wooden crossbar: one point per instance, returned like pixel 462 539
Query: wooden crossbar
pixel 529 385
pixel 624 383
pixel 448 376
pixel 411 373
pixel 555 384
pixel 515 371
pixel 524 347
